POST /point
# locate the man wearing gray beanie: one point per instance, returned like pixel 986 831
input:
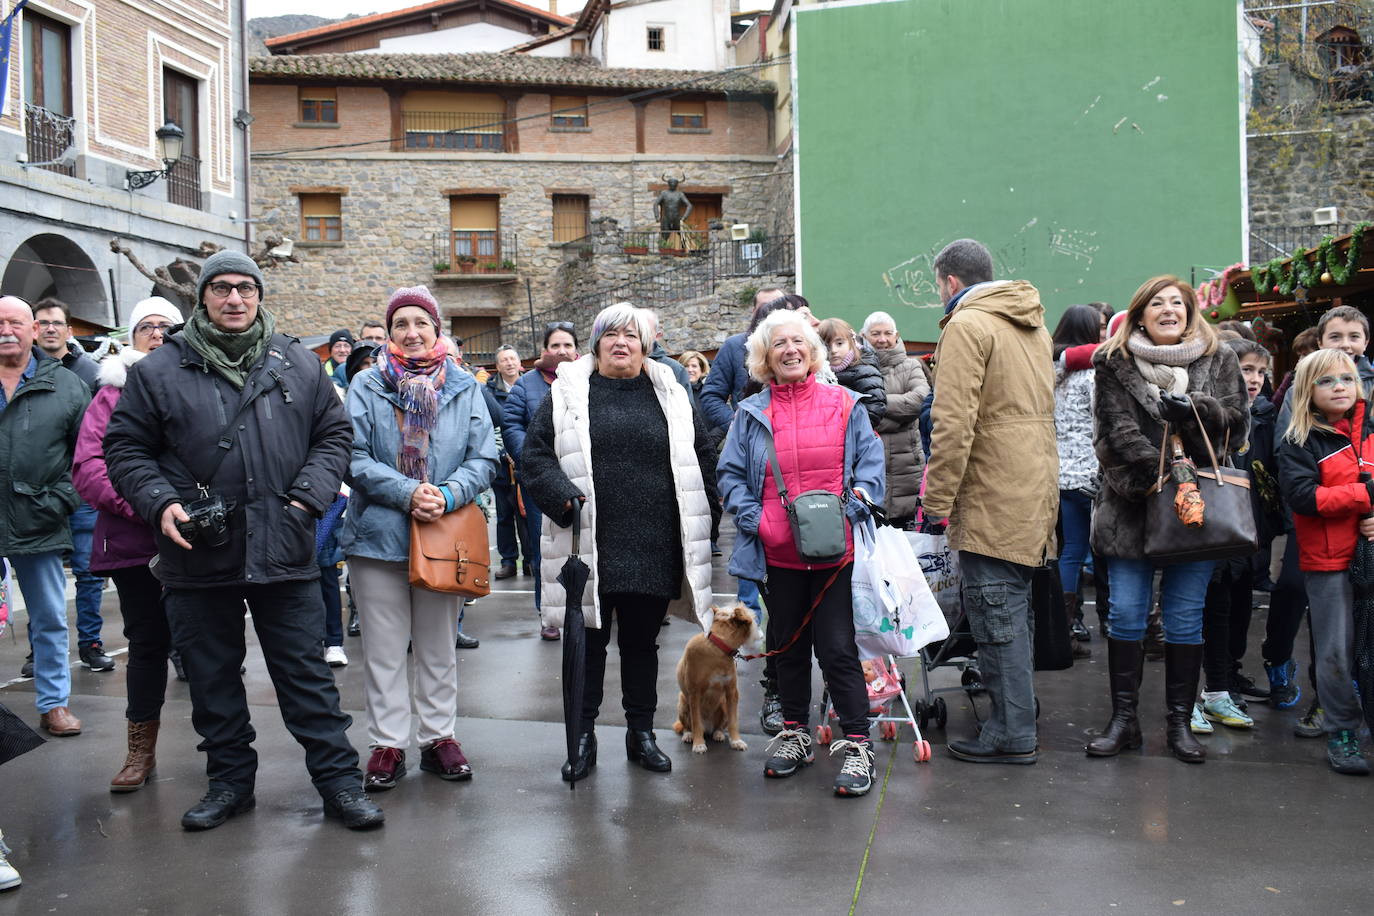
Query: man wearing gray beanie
pixel 230 443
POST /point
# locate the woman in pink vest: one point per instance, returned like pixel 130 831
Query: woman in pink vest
pixel 824 441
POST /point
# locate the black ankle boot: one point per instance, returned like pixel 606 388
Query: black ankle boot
pixel 1124 658
pixel 580 768
pixel 1181 667
pixel 641 748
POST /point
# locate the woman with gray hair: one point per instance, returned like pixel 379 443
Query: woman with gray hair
pixel 819 437
pixel 617 441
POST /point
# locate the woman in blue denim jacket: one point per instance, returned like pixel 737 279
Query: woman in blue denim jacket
pixel 423 446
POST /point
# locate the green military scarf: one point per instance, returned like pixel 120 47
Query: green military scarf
pixel 231 355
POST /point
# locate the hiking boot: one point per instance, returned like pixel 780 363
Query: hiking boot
pixel 1313 722
pixel 856 771
pixel 1222 709
pixel 1199 725
pixel 770 715
pixel 1246 687
pixel 791 751
pixel 1284 691
pixel 1343 753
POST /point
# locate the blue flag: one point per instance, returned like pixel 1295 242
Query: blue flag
pixel 5 28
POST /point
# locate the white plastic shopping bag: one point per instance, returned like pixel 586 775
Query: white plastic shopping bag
pixel 894 610
pixel 941 568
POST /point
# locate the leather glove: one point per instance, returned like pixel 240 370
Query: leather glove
pixel 1175 408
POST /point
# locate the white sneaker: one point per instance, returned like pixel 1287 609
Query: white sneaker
pixel 334 657
pixel 9 875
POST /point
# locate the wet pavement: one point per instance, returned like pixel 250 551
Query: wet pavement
pixel 1263 827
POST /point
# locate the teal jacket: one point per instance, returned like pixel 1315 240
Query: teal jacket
pixel 38 432
pixel 462 454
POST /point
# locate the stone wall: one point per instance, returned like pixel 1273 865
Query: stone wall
pixel 395 205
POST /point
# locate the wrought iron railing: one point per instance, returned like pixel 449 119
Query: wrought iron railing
pixel 655 241
pixel 183 183
pixel 49 135
pixel 456 130
pixel 475 251
pixel 1269 242
pixel 751 258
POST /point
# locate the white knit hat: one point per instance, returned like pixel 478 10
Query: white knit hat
pixel 154 305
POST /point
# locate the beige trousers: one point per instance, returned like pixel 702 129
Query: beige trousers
pixel 392 616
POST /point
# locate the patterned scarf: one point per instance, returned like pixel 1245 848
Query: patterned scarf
pixel 417 380
pixel 841 363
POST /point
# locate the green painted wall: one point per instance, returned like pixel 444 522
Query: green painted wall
pixel 1089 145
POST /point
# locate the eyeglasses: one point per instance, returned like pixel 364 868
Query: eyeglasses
pixel 246 289
pixel 560 326
pixel 148 328
pixel 51 323
pixel 1331 381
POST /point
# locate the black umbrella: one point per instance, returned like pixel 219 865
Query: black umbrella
pixel 573 577
pixel 1362 576
pixel 16 737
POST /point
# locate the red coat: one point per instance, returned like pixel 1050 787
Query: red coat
pixel 808 420
pixel 1320 483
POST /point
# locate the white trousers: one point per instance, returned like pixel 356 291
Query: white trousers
pixel 392 616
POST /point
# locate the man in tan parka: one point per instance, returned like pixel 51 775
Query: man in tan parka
pixel 993 477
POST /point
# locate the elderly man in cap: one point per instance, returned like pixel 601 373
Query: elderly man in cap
pixel 230 443
pixel 41 404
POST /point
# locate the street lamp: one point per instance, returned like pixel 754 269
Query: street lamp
pixel 169 143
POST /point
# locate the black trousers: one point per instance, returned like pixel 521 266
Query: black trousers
pixel 1226 621
pixel 637 619
pixel 150 638
pixel 207 629
pixel 511 535
pixel 789 594
pixel 1287 607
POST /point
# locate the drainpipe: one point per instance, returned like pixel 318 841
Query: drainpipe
pixel 247 161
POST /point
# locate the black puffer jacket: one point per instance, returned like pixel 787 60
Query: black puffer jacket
pixel 292 441
pixel 864 378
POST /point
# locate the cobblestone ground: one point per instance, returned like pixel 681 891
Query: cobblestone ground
pixel 1263 827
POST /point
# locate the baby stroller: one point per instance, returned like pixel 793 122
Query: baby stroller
pixel 885 685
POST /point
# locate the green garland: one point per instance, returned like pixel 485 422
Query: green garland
pixel 1300 273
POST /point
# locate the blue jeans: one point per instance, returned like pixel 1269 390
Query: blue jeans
pixel 1182 591
pixel 44 585
pixel 997 597
pixel 88 586
pixel 749 597
pixel 1076 515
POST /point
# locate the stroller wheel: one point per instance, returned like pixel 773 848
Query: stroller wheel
pixel 921 751
pixel 823 734
pixel 923 713
pixel 887 731
pixel 941 712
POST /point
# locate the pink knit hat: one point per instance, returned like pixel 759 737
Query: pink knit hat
pixel 412 295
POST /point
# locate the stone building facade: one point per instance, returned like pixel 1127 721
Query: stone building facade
pixel 82 113
pixel 397 193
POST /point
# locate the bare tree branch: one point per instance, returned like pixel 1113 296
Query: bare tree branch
pixel 160 275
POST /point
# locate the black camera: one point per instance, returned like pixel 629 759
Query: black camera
pixel 208 522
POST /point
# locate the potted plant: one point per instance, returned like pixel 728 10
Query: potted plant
pixel 489 267
pixel 441 267
pixel 636 243
pixel 508 265
pixel 466 263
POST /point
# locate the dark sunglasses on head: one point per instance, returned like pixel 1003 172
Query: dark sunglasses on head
pixel 560 326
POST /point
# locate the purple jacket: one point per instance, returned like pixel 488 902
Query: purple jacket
pixel 122 539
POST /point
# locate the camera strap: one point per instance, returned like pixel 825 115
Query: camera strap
pixel 252 390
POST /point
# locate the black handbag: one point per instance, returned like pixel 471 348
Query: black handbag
pixel 1228 527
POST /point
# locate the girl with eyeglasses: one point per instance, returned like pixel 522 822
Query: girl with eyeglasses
pixel 1325 458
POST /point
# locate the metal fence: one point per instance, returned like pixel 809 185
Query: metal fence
pixel 453 130
pixel 655 241
pixel 1269 242
pixel 475 251
pixel 48 136
pixel 183 182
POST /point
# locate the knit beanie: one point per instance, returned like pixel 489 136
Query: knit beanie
pixel 412 295
pixel 341 334
pixel 154 305
pixel 228 262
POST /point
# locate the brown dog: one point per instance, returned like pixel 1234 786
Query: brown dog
pixel 709 700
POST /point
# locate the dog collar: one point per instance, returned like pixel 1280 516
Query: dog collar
pixel 721 644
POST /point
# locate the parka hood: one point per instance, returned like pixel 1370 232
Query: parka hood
pixel 1015 300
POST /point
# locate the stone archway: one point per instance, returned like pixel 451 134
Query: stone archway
pixel 51 265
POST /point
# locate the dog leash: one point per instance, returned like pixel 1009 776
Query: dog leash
pixel 805 620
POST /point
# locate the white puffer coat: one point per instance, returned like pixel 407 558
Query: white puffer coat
pixel 573 445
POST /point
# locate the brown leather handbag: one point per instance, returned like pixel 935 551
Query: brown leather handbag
pixel 452 554
pixel 1228 528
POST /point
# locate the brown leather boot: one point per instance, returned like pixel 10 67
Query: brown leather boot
pixel 1071 613
pixel 142 759
pixel 60 722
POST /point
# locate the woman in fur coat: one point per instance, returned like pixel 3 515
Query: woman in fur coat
pixel 1163 365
